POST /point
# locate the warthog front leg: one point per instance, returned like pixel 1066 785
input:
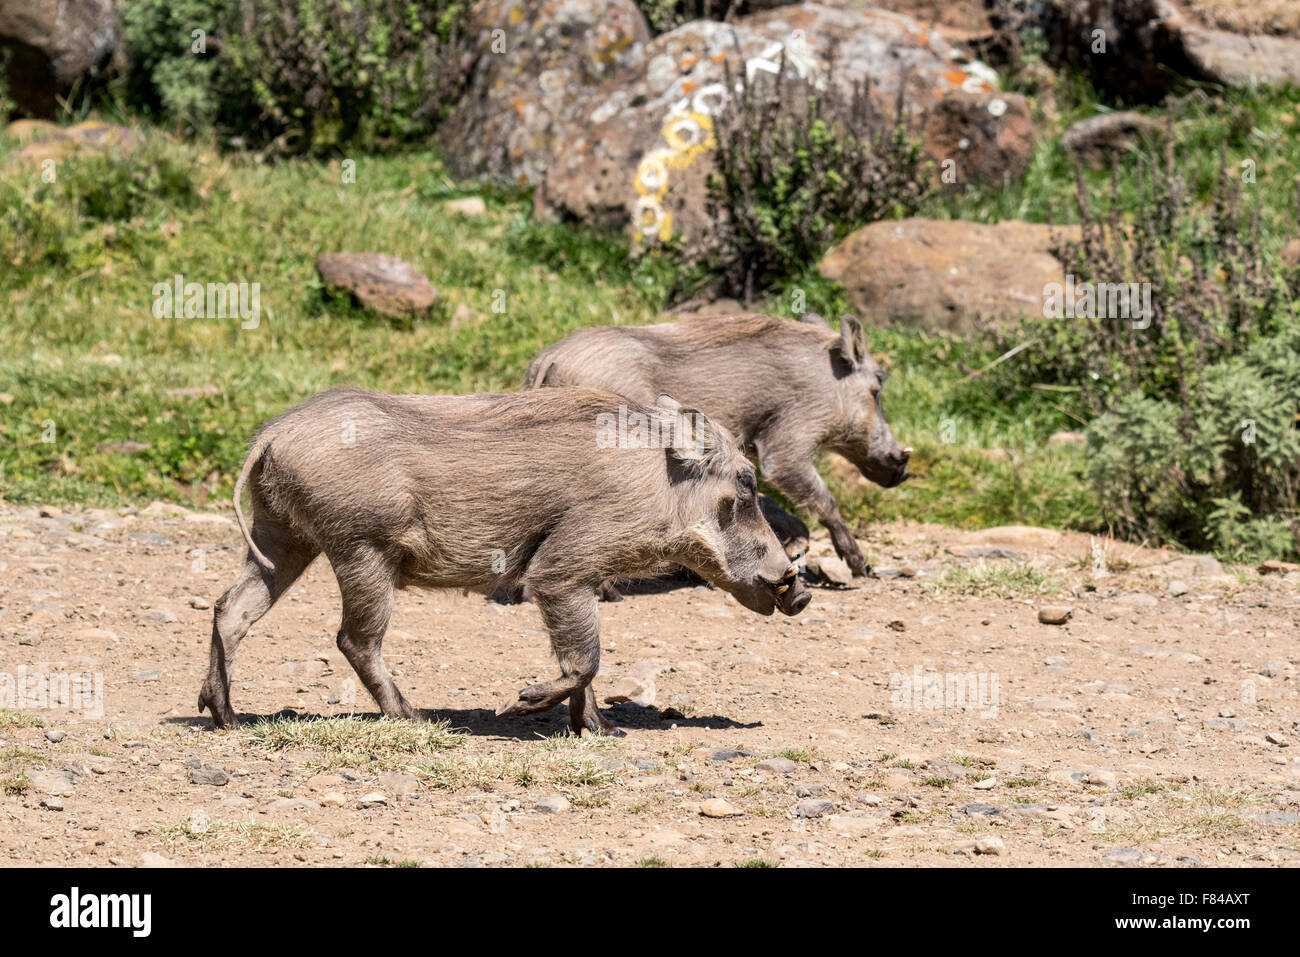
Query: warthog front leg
pixel 799 480
pixel 571 618
pixel 366 583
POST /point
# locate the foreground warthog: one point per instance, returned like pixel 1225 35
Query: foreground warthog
pixel 784 389
pixel 485 492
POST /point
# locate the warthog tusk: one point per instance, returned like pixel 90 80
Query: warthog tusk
pixel 907 451
pixel 782 589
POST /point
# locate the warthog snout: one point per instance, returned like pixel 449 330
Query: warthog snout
pixel 791 595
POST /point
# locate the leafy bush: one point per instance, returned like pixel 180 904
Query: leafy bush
pixel 1228 478
pixel 665 15
pixel 299 76
pixel 797 169
pixel 166 76
pixel 1193 406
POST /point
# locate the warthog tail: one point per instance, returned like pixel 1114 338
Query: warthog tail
pixel 254 454
pixel 538 370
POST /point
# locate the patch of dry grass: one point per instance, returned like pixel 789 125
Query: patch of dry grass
pixel 230 835
pixel 352 741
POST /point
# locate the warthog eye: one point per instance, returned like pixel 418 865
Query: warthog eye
pixel 747 484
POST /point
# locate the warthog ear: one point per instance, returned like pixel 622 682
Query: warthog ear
pixel 813 319
pixel 853 341
pixel 699 442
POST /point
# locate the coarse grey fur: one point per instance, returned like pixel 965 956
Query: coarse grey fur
pixel 489 492
pixel 783 388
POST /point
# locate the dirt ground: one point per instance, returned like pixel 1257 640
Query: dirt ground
pixel 1157 726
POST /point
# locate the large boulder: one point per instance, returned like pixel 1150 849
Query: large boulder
pixel 536 66
pixel 1138 48
pixel 52 44
pixel 641 153
pixel 947 275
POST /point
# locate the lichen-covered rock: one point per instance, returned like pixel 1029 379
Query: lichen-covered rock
pixel 947 274
pixel 987 137
pixel 387 285
pixel 535 66
pixel 640 154
pixel 51 44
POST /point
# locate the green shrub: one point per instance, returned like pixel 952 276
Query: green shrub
pixel 1226 478
pixel 299 76
pixel 665 15
pixel 797 169
pixel 168 77
pixel 1192 407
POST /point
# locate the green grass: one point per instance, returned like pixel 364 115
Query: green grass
pixel 84 362
pixel 10 718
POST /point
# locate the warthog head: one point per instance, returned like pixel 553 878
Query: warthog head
pixel 865 439
pixel 725 538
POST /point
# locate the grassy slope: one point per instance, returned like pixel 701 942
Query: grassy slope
pixel 80 347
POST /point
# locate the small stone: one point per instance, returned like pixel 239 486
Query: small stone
pixel 159 615
pixel 52 804
pixel 54 736
pixel 1274 567
pixel 333 799
pixel 1123 857
pixel 199 822
pixel 150 859
pixel 400 785
pixel 1178 587
pixel 717 807
pixel 830 569
pixel 991 846
pixel 982 810
pixel 897 625
pixel 636 690
pixel 778 765
pixel 49 511
pixel 554 804
pixel 1274 738
pixel 373 799
pixel 202 604
pixel 210 775
pixel 469 206
pixel 814 807
pixel 729 754
pixel 1055 614
pixel 987 784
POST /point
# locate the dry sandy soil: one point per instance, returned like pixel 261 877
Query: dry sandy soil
pixel 1157 726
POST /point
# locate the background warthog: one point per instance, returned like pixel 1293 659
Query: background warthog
pixel 489 491
pixel 783 388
